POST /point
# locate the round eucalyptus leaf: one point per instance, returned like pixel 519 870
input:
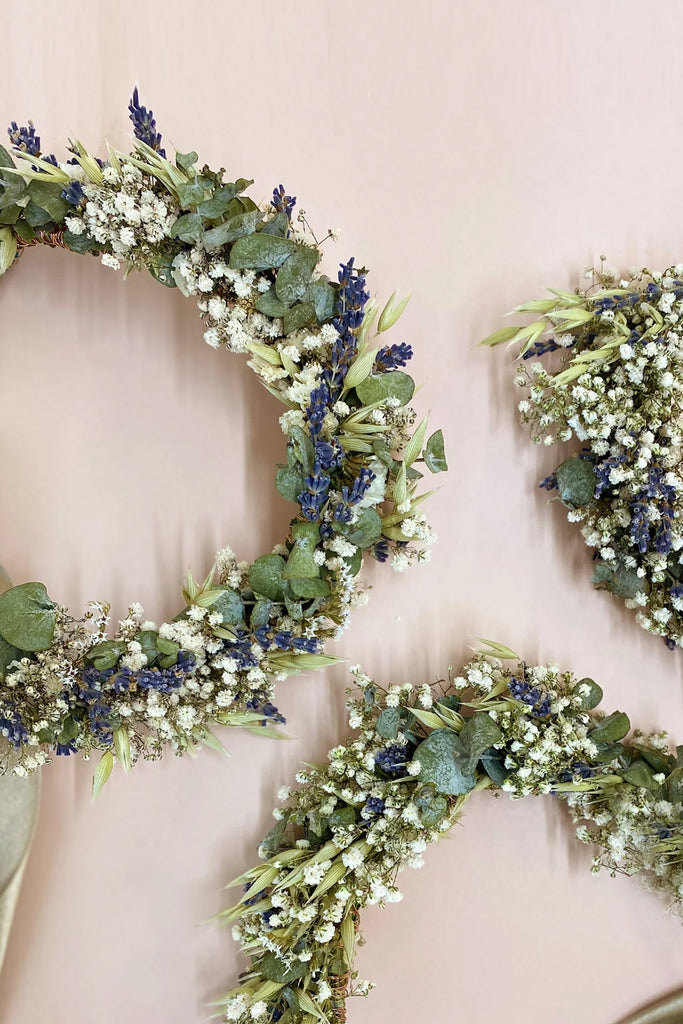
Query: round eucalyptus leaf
pixel 27 617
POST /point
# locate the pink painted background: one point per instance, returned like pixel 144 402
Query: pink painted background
pixel 474 152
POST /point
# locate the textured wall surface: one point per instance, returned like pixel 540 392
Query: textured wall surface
pixel 475 153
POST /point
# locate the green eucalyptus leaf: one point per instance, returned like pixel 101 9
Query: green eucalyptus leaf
pixel 576 482
pixel 323 295
pixel 612 728
pixel 388 723
pixel 269 304
pixel 229 606
pixel 289 483
pixel 493 763
pixel 619 580
pixel 79 243
pixel 365 531
pixel 433 811
pixel 277 225
pixel 343 817
pixel 308 588
pixel 27 617
pixel 186 160
pixel 478 734
pixel 190 194
pixel 592 698
pixel 438 765
pixel 265 577
pixel 301 564
pixel 298 316
pixel 260 252
pixel 275 969
pixel 272 843
pixel 241 225
pixel 378 387
pixel 260 614
pixel 301 443
pixel 641 774
pixel 48 196
pixel 107 653
pixel 294 275
pixel 8 654
pixel 188 227
pixel 36 216
pixel 434 453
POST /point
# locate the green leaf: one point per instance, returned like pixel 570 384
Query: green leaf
pixel 576 482
pixel 229 606
pixel 186 160
pixel 260 252
pixel 5 159
pixel 260 614
pixel 478 734
pixel 301 444
pixel 79 243
pixel 301 564
pixel 432 807
pixel 298 316
pixel 493 763
pixel 187 228
pixel 269 304
pixel 27 617
pixel 48 196
pixel 388 723
pixel 658 760
pixel 106 654
pixel 36 216
pixel 308 588
pixel 343 817
pixel 8 654
pixel 378 387
pixel 619 580
pixel 289 483
pixel 265 577
pixel 272 843
pixel 612 728
pixel 277 225
pixel 294 275
pixel 190 194
pixel 365 531
pixel 102 773
pixel 640 774
pixel 434 455
pixel 237 227
pixel 324 297
pixel 591 699
pixel 437 757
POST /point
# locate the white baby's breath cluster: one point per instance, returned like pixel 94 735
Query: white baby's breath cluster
pixel 617 389
pixel 354 823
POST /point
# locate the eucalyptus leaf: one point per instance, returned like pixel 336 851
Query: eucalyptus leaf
pixel 433 811
pixel 289 483
pixel 299 316
pixel 612 728
pixel 275 969
pixel 294 275
pixel 640 774
pixel 237 227
pixel 619 580
pixel 269 304
pixel 308 588
pixel 229 606
pixel 478 734
pixel 8 654
pixel 277 225
pixel 434 453
pixel 388 723
pixel 378 387
pixel 27 617
pixel 48 196
pixel 592 698
pixel 260 252
pixel 186 160
pixel 301 564
pixel 188 227
pixel 437 757
pixel 36 216
pixel 260 613
pixel 323 295
pixel 576 482
pixel 107 653
pixel 190 194
pixel 366 530
pixel 265 577
pixel 493 763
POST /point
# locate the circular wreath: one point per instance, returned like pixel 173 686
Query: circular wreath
pixel 612 378
pixel 401 783
pixel 352 449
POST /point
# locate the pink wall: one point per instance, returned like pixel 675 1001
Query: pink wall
pixel 475 152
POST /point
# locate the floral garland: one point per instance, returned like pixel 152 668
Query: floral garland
pixel 352 449
pixel 616 385
pixel 401 783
